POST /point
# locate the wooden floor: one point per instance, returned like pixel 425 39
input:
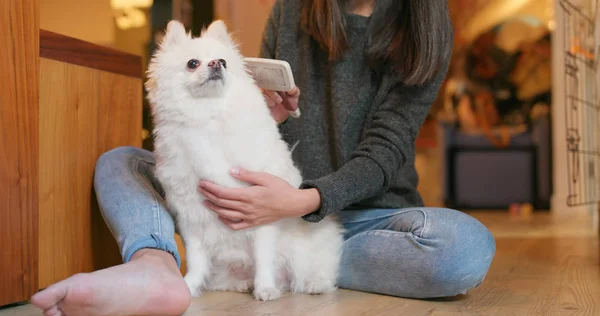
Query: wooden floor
pixel 544 266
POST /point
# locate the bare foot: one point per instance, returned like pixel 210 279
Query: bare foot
pixel 149 284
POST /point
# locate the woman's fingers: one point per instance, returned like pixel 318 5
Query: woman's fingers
pixel 279 113
pixel 282 104
pixel 234 194
pixel 230 204
pixel 235 225
pixel 272 98
pixel 224 212
pixel 294 93
pixel 270 103
pixel 275 102
pixel 290 99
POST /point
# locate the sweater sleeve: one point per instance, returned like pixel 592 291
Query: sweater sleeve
pixel 269 34
pixel 387 143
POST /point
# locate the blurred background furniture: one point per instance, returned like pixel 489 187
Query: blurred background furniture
pixel 496 123
pixel 478 175
pixel 63 102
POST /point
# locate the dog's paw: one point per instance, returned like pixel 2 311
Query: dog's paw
pixel 195 291
pixel 244 287
pixel 320 286
pixel 193 286
pixel 267 293
pixel 241 286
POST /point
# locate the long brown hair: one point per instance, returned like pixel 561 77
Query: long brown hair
pixel 413 36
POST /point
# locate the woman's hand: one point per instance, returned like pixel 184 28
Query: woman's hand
pixel 269 199
pixel 281 102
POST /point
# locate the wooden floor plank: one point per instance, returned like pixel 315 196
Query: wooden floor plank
pixel 545 271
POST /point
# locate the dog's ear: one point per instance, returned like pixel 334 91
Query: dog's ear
pixel 218 30
pixel 175 34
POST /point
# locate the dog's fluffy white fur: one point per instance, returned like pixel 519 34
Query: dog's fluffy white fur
pixel 208 121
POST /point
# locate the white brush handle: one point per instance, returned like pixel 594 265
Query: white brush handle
pixel 272 74
pixel 295 114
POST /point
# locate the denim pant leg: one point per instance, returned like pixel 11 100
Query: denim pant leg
pixel 131 202
pixel 414 253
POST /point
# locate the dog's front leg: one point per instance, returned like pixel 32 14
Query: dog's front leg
pixel 197 259
pixel 265 242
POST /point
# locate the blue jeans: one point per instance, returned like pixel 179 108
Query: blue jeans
pixel 414 252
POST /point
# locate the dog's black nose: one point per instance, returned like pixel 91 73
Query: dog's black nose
pixel 217 63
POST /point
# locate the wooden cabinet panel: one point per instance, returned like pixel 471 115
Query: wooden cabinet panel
pixel 57 116
pixel 90 102
pixel 19 27
pixel 92 112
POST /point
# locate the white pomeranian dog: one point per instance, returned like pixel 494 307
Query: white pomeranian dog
pixel 210 117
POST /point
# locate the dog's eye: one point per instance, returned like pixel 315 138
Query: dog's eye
pixel 193 63
pixel 223 62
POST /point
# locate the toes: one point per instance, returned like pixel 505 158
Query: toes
pixel 49 297
pixel 53 311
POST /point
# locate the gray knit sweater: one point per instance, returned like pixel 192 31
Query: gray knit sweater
pixel 356 136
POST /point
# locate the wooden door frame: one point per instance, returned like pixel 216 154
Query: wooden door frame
pixel 19 149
